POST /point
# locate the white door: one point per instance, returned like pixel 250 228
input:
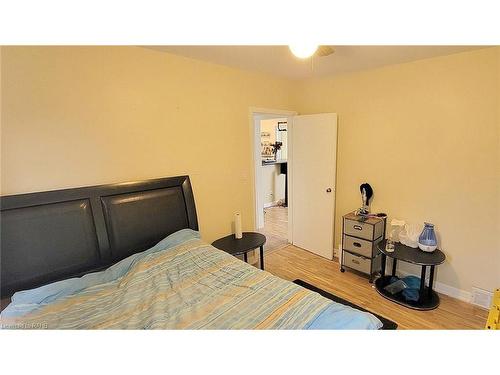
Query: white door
pixel 314 148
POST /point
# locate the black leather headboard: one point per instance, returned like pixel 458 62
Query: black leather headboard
pixel 54 235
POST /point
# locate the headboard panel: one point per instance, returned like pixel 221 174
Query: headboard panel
pixel 50 236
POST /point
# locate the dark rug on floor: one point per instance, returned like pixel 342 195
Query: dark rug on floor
pixel 387 324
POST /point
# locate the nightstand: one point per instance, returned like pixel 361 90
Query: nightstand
pixel 242 246
pixel 428 298
pixel 360 236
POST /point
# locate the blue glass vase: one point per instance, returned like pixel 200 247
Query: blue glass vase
pixel 427 240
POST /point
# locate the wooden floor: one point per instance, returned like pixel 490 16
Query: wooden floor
pixel 290 262
pixel 275 228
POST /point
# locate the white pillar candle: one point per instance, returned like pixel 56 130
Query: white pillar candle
pixel 237 226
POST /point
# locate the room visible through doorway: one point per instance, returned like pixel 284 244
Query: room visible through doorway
pixel 273 185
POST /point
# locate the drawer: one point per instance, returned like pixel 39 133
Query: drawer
pixel 363 230
pixel 356 262
pixel 358 246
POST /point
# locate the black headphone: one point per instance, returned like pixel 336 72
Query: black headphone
pixel 368 190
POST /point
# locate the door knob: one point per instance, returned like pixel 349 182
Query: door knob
pixel 329 190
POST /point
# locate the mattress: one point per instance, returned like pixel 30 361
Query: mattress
pixel 181 283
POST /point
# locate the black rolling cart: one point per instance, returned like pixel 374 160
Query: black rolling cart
pixel 428 298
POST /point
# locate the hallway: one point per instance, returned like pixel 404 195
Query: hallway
pixel 275 228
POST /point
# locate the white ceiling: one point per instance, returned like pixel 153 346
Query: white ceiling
pixel 278 60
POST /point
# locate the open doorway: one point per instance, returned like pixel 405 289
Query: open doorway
pixel 295 185
pixel 273 184
pixel 271 158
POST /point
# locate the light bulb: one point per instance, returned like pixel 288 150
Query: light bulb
pixel 303 51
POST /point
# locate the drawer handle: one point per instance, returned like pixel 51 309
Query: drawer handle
pixel 355 261
pixel 358 227
pixel 357 244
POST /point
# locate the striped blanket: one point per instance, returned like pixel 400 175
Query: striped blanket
pixel 189 286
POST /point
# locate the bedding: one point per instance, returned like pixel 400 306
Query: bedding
pixel 181 283
pixel 25 301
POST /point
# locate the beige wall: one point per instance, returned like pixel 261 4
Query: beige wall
pixel 76 116
pixel 498 132
pixel 425 135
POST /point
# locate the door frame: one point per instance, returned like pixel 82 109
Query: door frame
pixel 255 115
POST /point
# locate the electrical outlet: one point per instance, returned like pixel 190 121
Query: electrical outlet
pixel 481 297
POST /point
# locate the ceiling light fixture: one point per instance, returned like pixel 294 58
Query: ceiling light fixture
pixel 303 51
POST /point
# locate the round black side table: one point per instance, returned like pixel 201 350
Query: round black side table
pixel 249 241
pixel 428 299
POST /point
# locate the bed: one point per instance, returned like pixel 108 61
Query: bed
pixel 129 256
